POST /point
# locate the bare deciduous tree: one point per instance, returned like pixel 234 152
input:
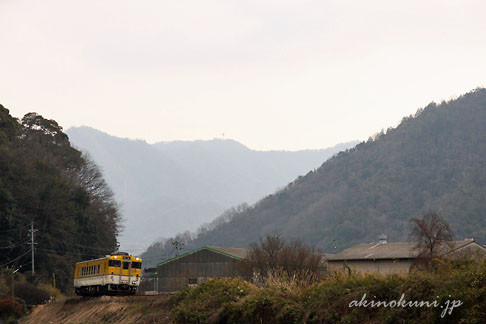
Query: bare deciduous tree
pixel 433 236
pixel 274 255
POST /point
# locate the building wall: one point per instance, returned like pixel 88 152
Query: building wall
pixel 195 268
pixel 373 266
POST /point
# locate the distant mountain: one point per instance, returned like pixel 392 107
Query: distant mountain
pixel 171 187
pixel 435 159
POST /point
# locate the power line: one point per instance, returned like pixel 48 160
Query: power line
pixel 64 252
pixel 101 248
pixel 83 236
pixel 91 248
pixel 14 229
pixel 13 246
pixel 12 261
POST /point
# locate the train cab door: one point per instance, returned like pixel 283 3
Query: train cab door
pixel 125 268
pixel 129 273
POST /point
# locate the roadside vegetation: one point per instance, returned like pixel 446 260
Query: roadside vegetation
pixel 286 300
pixel 18 298
pixel 286 283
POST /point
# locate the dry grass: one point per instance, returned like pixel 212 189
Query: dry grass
pixel 103 310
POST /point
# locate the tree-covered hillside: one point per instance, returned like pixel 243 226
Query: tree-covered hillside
pixel 45 181
pixel 433 160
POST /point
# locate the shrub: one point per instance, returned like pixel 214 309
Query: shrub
pixel 9 308
pixel 281 301
pixel 202 304
pixel 31 294
pixel 272 305
pixel 53 292
pixel 24 305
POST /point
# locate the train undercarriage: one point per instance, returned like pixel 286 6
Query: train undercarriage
pixel 108 290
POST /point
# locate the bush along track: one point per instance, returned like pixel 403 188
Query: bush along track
pixel 452 292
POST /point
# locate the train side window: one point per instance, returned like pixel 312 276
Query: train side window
pixel 114 263
pixel 98 270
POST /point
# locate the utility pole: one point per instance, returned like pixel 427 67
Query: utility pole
pixel 32 243
pixel 178 245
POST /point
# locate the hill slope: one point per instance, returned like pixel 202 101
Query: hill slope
pixel 47 184
pixel 171 187
pixel 434 160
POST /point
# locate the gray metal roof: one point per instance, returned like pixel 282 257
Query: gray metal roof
pixel 237 253
pixel 399 250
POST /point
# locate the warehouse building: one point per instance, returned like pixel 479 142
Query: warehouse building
pixel 384 257
pixel 197 266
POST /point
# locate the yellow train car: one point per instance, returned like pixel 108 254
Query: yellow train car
pixel 115 274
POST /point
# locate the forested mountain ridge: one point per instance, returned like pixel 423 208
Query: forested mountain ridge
pixel 47 183
pixel 171 187
pixel 435 159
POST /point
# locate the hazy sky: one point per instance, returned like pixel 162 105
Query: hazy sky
pixel 270 74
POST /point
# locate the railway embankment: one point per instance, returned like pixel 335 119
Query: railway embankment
pixel 103 310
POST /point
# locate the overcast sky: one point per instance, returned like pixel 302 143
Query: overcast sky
pixel 270 74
